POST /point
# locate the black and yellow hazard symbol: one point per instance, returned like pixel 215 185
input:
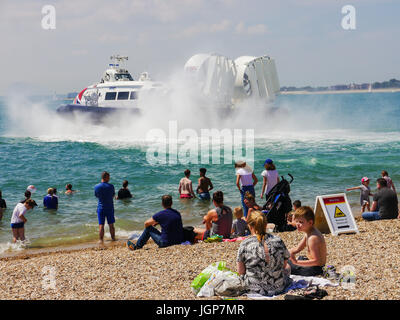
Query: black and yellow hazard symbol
pixel 339 213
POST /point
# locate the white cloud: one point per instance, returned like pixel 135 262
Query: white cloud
pixel 257 29
pixel 205 28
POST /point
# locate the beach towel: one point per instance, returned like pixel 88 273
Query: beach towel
pixel 234 239
pixel 299 282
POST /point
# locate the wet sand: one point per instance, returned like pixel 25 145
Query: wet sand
pixel 114 272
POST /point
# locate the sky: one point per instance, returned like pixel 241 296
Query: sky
pixel 305 37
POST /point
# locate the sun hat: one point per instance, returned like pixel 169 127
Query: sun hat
pixel 268 161
pixel 364 179
pixel 31 188
pixel 242 165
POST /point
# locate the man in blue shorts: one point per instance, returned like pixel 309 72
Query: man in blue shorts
pixel 105 192
pixel 170 221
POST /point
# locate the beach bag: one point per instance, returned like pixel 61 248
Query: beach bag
pixel 231 285
pixel 202 278
pixel 189 234
pixel 222 283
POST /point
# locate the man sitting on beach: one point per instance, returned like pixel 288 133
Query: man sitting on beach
pixel 217 221
pixel 205 185
pixel 384 205
pixel 170 221
pixel 314 242
pixel 105 192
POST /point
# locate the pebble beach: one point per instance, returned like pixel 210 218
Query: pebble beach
pixel 112 272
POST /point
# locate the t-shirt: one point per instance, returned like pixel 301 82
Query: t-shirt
pixel 364 195
pixel 19 211
pixel 50 202
pixel 239 227
pixel 3 204
pixel 124 193
pixel 387 203
pixel 105 192
pixel 170 221
pixel 246 178
pixel 262 277
pixel 272 178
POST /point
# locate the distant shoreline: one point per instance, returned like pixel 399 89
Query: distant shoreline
pixel 341 91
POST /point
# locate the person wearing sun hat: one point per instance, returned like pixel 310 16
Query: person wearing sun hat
pixel 245 181
pixel 270 177
pixel 365 193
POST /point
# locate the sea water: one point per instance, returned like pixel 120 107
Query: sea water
pixel 327 142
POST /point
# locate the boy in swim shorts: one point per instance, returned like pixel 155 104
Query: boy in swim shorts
pixel 18 219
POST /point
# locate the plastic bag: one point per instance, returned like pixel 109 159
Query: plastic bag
pixel 222 283
pixel 202 278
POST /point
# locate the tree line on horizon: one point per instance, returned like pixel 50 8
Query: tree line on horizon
pixel 391 84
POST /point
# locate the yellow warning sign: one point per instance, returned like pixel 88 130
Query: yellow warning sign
pixel 339 213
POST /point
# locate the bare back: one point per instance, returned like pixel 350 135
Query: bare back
pixel 185 186
pixel 319 246
pixel 204 185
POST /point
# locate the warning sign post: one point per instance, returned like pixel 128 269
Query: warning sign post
pixel 333 214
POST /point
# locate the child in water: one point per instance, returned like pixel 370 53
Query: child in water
pixel 364 195
pixel 18 219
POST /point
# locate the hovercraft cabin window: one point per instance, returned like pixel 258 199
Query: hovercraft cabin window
pixel 133 95
pixel 110 95
pixel 123 95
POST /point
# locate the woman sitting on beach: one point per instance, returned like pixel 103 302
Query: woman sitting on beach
pixel 217 221
pixel 262 259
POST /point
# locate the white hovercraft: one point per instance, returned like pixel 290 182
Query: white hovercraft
pixel 221 82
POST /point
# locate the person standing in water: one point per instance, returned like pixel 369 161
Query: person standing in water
pixel 185 186
pixel 390 184
pixel 105 192
pixel 270 177
pixel 124 192
pixel 3 205
pixel 205 185
pixel 245 182
pixel 18 219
